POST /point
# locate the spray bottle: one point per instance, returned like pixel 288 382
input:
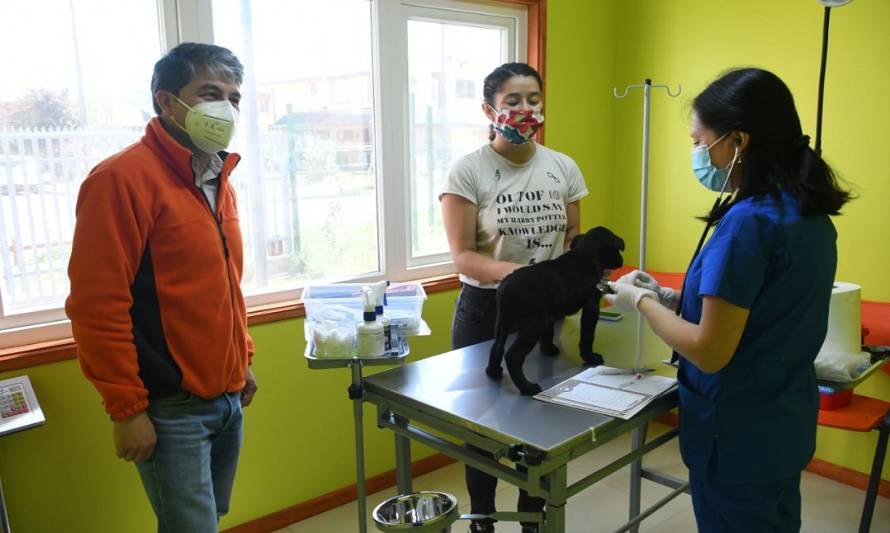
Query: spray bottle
pixel 379 290
pixel 369 341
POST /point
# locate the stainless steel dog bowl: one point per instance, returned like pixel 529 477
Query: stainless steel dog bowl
pixel 419 512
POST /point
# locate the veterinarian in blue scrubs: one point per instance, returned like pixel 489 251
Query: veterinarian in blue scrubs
pixel 508 204
pixel 754 306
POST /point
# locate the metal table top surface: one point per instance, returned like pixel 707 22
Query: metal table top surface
pixel 453 386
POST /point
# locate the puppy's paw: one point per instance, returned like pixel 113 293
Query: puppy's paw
pixel 549 349
pixel 592 358
pixel 531 389
pixel 494 372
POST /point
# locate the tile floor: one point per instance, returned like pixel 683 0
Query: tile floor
pixel 828 506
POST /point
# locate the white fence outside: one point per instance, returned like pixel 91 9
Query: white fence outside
pixel 41 172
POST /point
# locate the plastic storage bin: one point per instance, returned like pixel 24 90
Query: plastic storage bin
pixel 342 303
pixel 830 400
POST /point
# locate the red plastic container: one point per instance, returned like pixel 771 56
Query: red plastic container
pixel 830 402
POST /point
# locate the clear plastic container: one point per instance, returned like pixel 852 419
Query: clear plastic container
pixel 342 303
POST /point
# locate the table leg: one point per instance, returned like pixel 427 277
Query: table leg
pixel 4 518
pixel 356 394
pixel 877 465
pixel 637 438
pixel 403 459
pixel 555 521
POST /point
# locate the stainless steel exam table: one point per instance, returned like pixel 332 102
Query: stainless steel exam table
pixel 447 400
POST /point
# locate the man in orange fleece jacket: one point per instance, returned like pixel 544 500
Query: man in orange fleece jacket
pixel 156 305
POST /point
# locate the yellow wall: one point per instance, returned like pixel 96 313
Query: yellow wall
pixel 580 111
pixel 691 42
pixel 298 445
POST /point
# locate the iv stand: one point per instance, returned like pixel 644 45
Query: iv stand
pixel 822 67
pixel 647 87
pixel 638 435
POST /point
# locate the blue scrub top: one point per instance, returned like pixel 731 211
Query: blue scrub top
pixel 755 419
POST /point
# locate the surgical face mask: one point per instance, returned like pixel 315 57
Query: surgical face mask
pixel 517 126
pixel 210 125
pixel 715 179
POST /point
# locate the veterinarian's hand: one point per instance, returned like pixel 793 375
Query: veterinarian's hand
pixel 627 297
pixel 667 296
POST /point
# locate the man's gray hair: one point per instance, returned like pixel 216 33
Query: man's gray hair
pixel 176 69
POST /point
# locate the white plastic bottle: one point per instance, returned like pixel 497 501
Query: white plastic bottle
pixel 379 291
pixel 369 339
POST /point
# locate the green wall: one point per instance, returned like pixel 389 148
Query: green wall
pixel 298 439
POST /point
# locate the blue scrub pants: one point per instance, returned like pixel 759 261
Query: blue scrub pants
pixel 772 507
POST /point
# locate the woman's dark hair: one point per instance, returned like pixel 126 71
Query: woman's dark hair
pixel 778 154
pixel 494 82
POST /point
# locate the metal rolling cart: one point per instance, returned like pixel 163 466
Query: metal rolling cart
pixel 356 391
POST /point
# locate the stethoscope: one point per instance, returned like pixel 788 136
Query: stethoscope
pixel 720 204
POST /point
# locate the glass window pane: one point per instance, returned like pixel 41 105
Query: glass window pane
pixel 77 91
pixel 307 183
pixel 446 65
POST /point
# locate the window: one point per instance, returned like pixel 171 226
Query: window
pixel 353 111
pixel 69 101
pixel 445 126
pixel 308 180
pixel 465 89
pixel 443 45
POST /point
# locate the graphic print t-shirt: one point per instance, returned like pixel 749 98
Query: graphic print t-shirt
pixel 522 207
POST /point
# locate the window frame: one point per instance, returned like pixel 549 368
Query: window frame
pixel 191 20
pixel 394 120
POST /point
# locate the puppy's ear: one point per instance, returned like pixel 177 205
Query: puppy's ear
pixel 575 240
pixel 620 242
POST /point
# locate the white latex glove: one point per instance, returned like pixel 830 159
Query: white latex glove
pixel 627 297
pixel 667 296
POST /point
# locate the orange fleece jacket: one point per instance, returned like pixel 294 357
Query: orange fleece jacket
pixel 143 200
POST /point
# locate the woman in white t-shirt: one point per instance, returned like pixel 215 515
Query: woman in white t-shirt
pixel 511 203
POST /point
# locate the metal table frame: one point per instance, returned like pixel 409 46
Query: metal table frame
pixel 356 392
pixel 546 474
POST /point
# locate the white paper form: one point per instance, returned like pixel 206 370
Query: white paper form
pixel 618 395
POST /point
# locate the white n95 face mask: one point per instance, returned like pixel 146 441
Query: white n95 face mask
pixel 210 125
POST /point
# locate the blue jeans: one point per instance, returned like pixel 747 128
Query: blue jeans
pixel 189 476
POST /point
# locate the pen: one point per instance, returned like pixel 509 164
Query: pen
pixel 620 371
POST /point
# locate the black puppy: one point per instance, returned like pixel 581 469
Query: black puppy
pixel 532 298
